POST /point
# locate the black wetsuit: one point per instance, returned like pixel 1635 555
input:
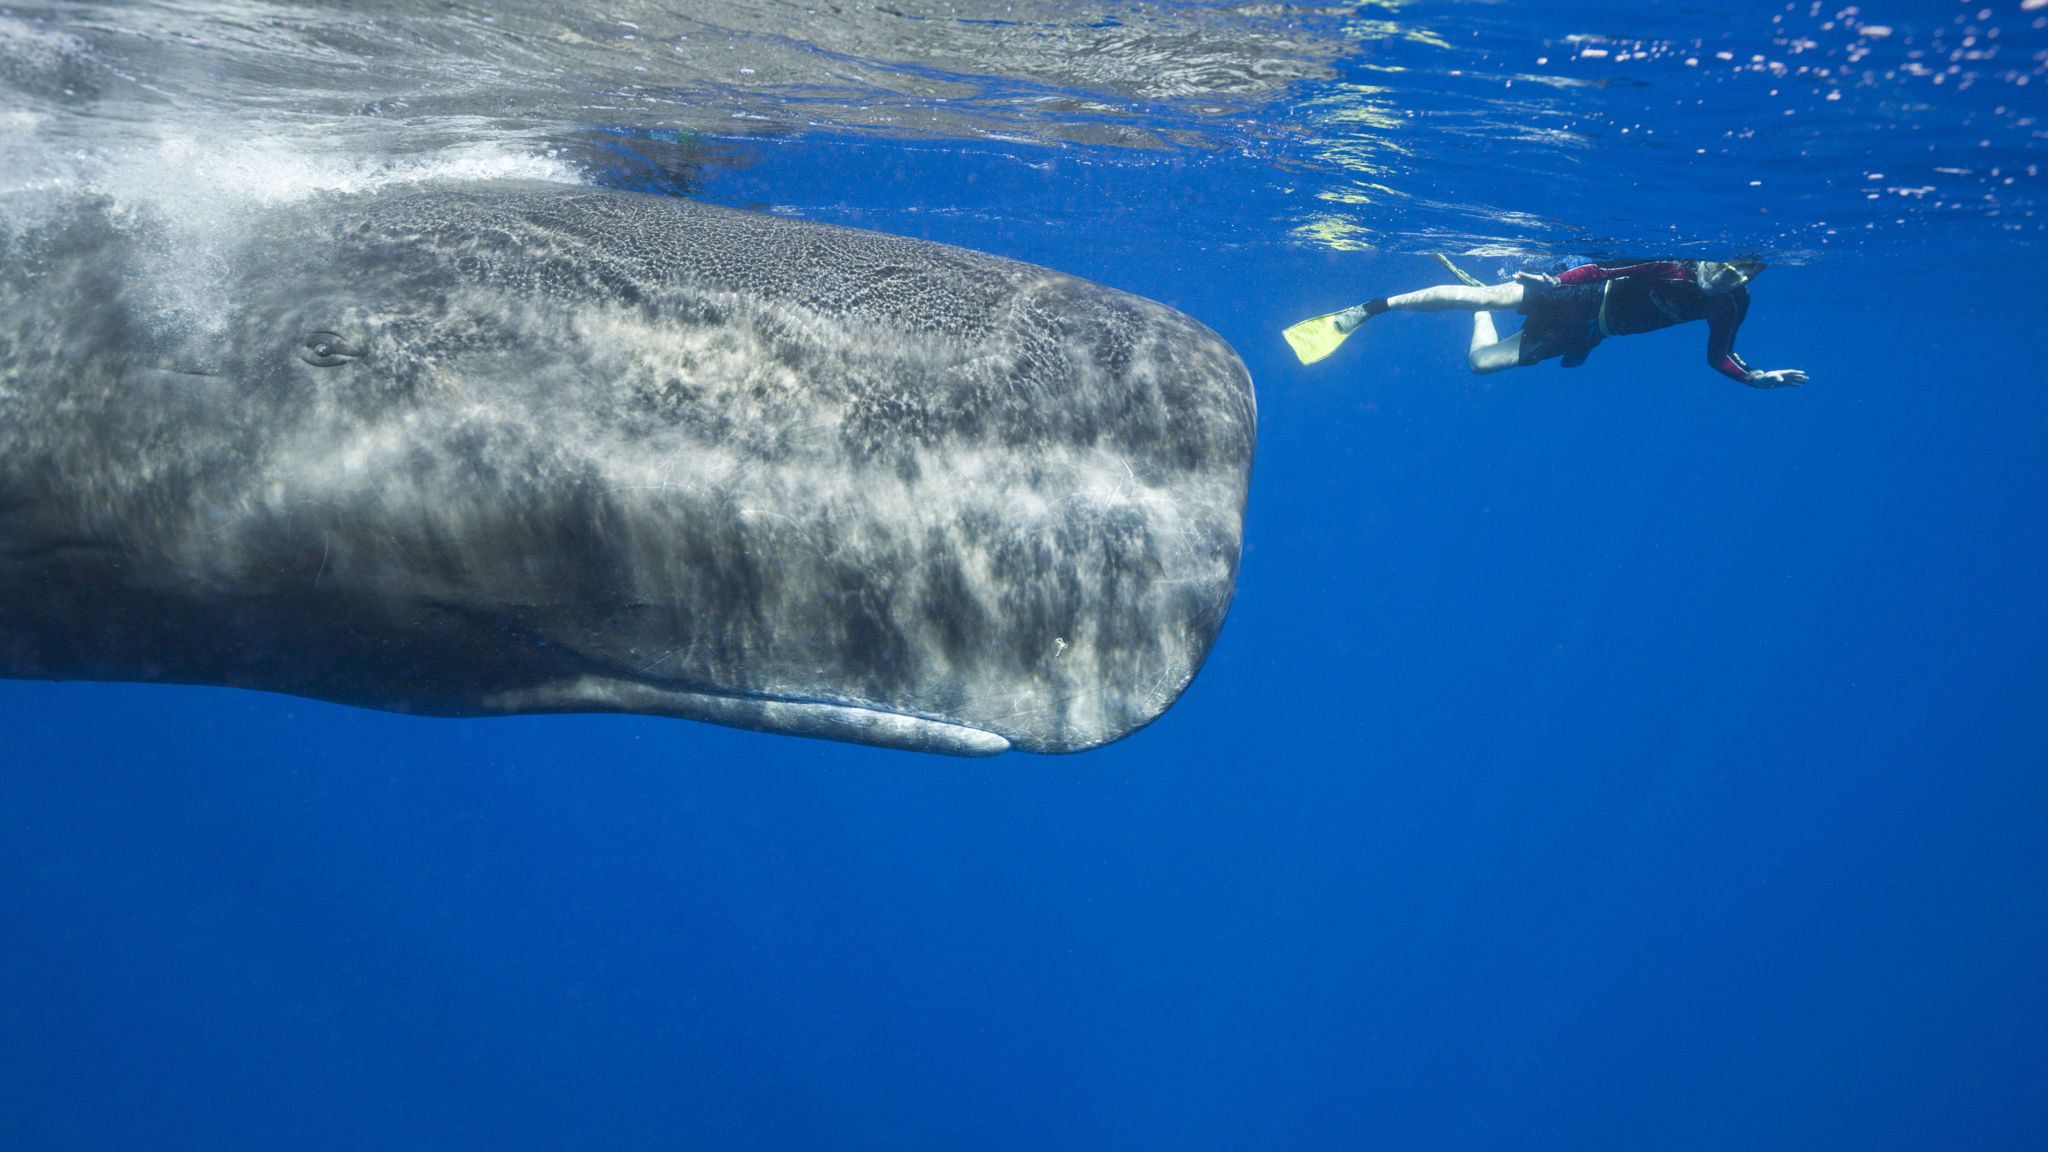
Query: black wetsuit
pixel 1594 301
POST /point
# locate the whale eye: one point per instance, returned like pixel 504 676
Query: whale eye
pixel 326 350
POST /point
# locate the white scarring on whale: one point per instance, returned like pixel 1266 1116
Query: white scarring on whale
pixel 523 448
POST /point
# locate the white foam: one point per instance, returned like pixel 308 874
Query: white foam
pixel 203 170
pixel 194 188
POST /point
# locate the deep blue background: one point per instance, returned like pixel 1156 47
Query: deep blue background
pixel 1617 757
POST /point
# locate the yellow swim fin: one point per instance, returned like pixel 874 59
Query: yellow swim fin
pixel 1470 281
pixel 1317 337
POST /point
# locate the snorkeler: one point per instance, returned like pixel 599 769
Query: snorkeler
pixel 1569 314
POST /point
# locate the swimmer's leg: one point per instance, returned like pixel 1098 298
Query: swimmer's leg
pixel 1459 298
pixel 1482 331
pixel 1496 356
pixel 1317 337
pixel 1489 353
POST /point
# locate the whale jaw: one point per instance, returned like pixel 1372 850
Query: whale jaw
pixel 848 722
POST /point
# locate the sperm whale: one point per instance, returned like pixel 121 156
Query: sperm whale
pixel 514 448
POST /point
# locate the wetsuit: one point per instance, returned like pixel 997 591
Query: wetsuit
pixel 1594 301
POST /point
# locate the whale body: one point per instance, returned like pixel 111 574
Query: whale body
pixel 484 450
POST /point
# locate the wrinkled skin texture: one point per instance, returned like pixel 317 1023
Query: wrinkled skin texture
pixel 526 448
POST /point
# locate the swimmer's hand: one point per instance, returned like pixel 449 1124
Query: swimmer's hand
pixel 1543 278
pixel 1777 378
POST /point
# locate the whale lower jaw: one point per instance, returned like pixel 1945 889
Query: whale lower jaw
pixel 849 722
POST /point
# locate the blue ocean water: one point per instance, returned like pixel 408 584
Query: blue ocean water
pixel 1613 757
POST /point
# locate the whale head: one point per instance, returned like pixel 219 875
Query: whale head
pixel 522 448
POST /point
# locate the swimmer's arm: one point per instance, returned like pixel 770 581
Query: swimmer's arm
pixel 1721 326
pixel 1732 366
pixel 1722 321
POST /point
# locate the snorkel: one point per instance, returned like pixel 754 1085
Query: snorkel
pixel 1721 278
